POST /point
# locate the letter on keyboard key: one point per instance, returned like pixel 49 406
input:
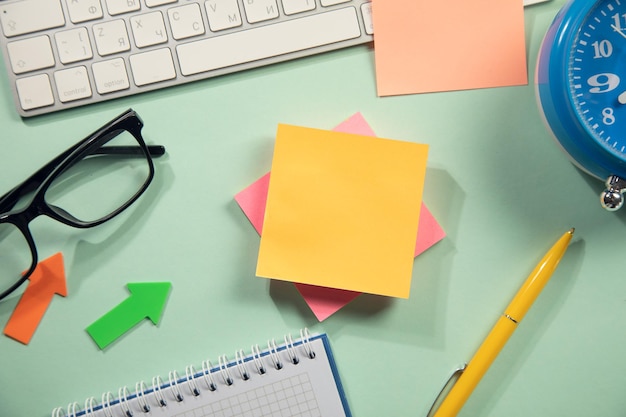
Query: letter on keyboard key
pixel 148 29
pixel 30 16
pixel 30 54
pixel 84 10
pixel 34 92
pixel 224 15
pixel 186 21
pixel 111 37
pixel 122 6
pixel 152 67
pixel 268 41
pixel 260 10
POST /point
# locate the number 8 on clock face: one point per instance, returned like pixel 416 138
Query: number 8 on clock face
pixel 581 89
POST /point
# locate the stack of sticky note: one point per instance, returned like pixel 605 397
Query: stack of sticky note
pixel 340 213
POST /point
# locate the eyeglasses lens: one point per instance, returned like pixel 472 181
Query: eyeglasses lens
pixel 15 255
pixel 102 181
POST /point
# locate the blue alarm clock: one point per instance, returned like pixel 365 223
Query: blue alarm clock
pixel 581 89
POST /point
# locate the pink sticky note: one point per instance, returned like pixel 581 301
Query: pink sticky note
pixel 425 46
pixel 325 301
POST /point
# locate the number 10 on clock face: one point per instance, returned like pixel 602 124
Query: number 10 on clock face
pixel 581 89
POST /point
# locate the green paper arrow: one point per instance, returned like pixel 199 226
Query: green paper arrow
pixel 146 300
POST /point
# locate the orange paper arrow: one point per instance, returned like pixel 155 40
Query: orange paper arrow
pixel 47 279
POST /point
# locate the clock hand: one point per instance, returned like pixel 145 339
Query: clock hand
pixel 618 30
pixel 622 98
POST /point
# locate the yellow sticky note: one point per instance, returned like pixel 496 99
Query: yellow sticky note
pixel 342 211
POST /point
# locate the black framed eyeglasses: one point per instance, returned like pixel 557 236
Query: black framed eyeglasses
pixel 88 184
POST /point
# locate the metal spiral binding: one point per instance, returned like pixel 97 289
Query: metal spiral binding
pixel 122 395
pixel 173 378
pixel 139 403
pixel 106 404
pixel 157 383
pixel 273 353
pixel 90 404
pixel 241 365
pixel 208 375
pixel 305 336
pixel 190 373
pixel 140 391
pixel 256 357
pixel 293 357
pixel 226 376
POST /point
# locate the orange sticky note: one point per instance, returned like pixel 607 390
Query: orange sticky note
pixel 342 211
pixel 427 46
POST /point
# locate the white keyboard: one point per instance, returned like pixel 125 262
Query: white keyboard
pixel 67 53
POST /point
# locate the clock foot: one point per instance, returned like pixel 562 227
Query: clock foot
pixel 612 198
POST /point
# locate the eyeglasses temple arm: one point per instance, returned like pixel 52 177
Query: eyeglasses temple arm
pixel 154 150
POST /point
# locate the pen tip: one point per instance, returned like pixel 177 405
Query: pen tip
pixel 571 231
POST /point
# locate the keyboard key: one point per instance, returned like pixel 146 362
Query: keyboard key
pixel 223 15
pixel 298 6
pixel 148 29
pixel 111 37
pixel 30 54
pixel 110 76
pixel 34 92
pixel 122 6
pixel 327 3
pixel 260 10
pixel 72 84
pixel 152 67
pixel 267 41
pixel 366 9
pixel 19 18
pixel 84 10
pixel 186 21
pixel 154 3
pixel 73 45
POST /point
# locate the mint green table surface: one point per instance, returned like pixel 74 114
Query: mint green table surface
pixel 496 182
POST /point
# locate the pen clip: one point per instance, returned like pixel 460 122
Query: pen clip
pixel 454 376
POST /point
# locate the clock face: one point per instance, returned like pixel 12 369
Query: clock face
pixel 597 75
pixel 581 90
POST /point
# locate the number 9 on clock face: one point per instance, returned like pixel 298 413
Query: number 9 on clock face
pixel 581 89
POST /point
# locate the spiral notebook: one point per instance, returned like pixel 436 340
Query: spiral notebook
pixel 293 379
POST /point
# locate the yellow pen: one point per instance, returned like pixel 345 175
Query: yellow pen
pixel 497 338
